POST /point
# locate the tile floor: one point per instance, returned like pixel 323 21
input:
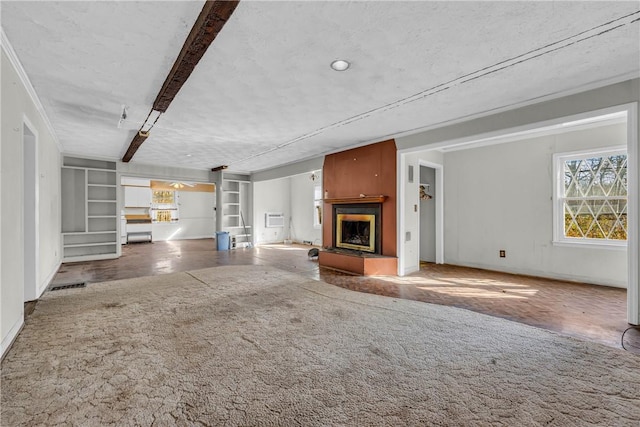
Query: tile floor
pixel 590 312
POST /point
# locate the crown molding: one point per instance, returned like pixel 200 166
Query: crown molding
pixel 17 65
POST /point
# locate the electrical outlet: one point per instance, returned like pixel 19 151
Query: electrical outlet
pixel 503 253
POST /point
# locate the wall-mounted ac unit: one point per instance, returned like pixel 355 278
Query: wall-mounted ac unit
pixel 274 219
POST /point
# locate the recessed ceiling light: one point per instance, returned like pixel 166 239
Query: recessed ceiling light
pixel 340 65
pixel 189 155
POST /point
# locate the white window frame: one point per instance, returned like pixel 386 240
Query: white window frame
pixel 317 204
pixel 559 238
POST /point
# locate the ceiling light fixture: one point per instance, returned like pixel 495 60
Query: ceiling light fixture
pixel 123 116
pixel 340 65
pixel 179 184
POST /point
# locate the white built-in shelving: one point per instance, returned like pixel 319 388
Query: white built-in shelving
pixel 236 209
pixel 89 209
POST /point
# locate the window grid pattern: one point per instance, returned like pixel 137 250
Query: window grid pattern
pixel 595 197
pixel 163 197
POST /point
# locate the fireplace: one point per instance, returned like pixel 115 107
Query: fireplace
pixel 356 232
pixel 357 227
pixel 357 243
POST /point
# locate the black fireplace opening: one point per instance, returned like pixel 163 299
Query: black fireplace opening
pixel 356 232
pixel 357 227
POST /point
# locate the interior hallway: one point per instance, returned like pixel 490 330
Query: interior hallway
pixel 590 312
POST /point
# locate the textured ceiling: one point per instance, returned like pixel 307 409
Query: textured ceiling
pixel 263 95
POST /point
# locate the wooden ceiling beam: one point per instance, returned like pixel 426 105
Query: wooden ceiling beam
pixel 136 142
pixel 212 18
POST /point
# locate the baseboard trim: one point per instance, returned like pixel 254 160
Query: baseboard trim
pixel 7 341
pixel 541 274
pixel 186 238
pixel 408 270
pixel 48 280
pixel 269 242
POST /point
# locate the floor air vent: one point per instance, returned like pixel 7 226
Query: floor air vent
pixel 68 286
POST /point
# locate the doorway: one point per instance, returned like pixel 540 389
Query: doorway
pixel 427 214
pixel 30 212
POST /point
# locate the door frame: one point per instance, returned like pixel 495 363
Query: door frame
pixel 30 210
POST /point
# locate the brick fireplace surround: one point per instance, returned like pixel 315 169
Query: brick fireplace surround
pixel 363 175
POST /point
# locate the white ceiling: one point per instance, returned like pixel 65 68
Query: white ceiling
pixel 264 94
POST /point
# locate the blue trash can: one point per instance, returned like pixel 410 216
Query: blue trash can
pixel 222 240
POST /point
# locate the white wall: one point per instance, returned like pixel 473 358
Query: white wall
pixel 49 165
pixel 4 331
pixel 552 110
pixel 196 214
pixel 19 101
pixel 297 168
pixel 409 234
pixel 292 196
pixel 271 196
pixel 163 173
pixel 302 208
pixel 500 197
pixel 196 220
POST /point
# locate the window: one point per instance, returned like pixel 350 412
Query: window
pixel 163 197
pixel 164 207
pixel 591 197
pixel 317 206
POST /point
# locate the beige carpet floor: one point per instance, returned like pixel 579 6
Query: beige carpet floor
pixel 254 345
